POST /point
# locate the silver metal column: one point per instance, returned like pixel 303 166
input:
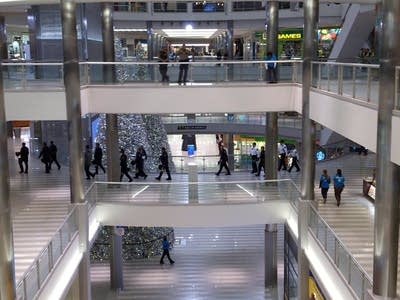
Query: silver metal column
pixel 229 39
pixel 270 256
pixel 150 40
pixel 73 104
pixel 116 271
pixel 311 11
pixel 271 134
pixel 388 174
pixel 109 77
pixel 7 268
pixel 303 265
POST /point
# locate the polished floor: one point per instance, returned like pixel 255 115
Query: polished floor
pixel 40 202
pixel 210 263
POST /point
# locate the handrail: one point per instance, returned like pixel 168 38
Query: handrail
pixel 32 64
pixel 372 66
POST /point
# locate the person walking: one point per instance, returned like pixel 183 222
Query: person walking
pixel 338 185
pixel 282 151
pixel 163 59
pixel 88 162
pixel 164 164
pixel 23 156
pixel 45 155
pixel 98 159
pixel 166 246
pixel 254 157
pixel 140 157
pixel 295 159
pixel 123 162
pixel 223 160
pixel 324 182
pixel 183 55
pixel 53 155
pixel 270 66
pixel 261 161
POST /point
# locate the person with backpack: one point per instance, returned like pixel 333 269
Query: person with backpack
pixel 338 185
pixel 324 182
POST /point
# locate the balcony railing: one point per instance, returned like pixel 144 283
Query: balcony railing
pixel 50 75
pixel 34 277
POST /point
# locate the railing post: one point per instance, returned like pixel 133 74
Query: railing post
pixel 25 289
pixel 24 83
pixel 328 74
pixel 88 74
pixel 396 89
pixel 260 72
pixel 340 80
pixel 354 82
pixel 190 72
pixel 38 274
pixel 319 76
pixel 204 163
pixel 226 72
pixel 303 263
pixel 294 72
pixel 50 255
pixel 349 269
pixel 368 84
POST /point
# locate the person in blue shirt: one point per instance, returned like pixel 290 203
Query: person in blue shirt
pixel 271 68
pixel 165 245
pixel 324 182
pixel 338 185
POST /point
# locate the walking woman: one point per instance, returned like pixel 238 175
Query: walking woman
pixel 324 182
pixel 338 184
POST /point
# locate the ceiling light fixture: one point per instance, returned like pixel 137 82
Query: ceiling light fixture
pixel 194 33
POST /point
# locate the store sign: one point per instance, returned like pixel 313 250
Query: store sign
pixel 192 127
pixel 290 36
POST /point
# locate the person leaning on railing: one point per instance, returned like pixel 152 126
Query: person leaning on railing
pixel 270 66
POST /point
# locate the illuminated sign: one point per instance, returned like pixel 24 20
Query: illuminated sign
pixel 320 155
pixel 289 36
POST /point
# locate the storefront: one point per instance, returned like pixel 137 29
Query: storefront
pixel 18 44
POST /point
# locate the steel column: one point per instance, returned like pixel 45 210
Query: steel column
pixel 311 10
pixel 271 134
pixel 7 267
pixel 303 263
pixel 270 256
pixel 116 271
pixel 386 229
pixel 73 105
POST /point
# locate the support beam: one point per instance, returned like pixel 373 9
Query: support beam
pixel 386 228
pixel 7 267
pixel 270 257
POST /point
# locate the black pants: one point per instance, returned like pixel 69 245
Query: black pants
pixel 163 72
pixel 271 75
pixel 54 160
pixel 46 165
pixel 282 162
pixel 97 165
pixel 124 171
pixel 223 164
pixel 338 194
pixel 166 168
pixel 254 163
pixel 140 173
pixel 87 172
pixel 261 165
pixel 183 69
pixel 25 162
pixel 294 164
pixel 324 193
pixel 166 253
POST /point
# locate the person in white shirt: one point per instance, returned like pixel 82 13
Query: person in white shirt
pixel 254 157
pixel 295 159
pixel 282 151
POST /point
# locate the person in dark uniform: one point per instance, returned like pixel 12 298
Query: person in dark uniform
pixel 223 160
pixel 163 58
pixel 261 162
pixel 139 162
pixel 164 164
pixel 23 156
pixel 165 245
pixel 123 162
pixel 88 162
pixel 46 158
pixel 53 154
pixel 98 159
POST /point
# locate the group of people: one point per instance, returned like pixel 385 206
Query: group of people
pixel 338 185
pixel 183 57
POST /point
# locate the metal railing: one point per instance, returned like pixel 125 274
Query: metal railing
pixel 397 85
pixel 357 81
pixel 34 277
pixel 50 75
pixel 193 193
pixel 352 272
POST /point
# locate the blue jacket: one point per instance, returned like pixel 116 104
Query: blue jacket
pixel 165 245
pixel 271 65
pixel 324 182
pixel 338 181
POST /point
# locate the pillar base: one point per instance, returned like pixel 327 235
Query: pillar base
pixel 371 296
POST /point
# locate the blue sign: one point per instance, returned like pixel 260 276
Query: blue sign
pixel 190 150
pixel 320 155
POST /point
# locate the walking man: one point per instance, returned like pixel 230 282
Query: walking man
pixel 282 151
pixel 53 154
pixel 23 158
pixel 164 164
pixel 183 55
pixel 98 159
pixel 261 163
pixel 223 160
pixel 254 157
pixel 295 159
pixel 45 155
pixel 338 185
pixel 166 246
pixel 88 162
pixel 139 161
pixel 123 162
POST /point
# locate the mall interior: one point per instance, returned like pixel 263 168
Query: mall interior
pixel 205 80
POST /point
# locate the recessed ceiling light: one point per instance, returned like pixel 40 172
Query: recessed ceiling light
pixel 194 33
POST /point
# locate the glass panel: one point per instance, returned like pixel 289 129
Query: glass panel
pixel 343 261
pixel 31 283
pixel 169 7
pixel 20 291
pixel 56 246
pixel 374 86
pixel 44 266
pixel 348 82
pixel 361 83
pixel 356 279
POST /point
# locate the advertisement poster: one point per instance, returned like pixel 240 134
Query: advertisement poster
pixel 313 291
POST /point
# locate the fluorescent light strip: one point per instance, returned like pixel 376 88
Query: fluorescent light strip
pixel 129 30
pixel 193 33
pixel 138 192
pixel 247 191
pixel 191 45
